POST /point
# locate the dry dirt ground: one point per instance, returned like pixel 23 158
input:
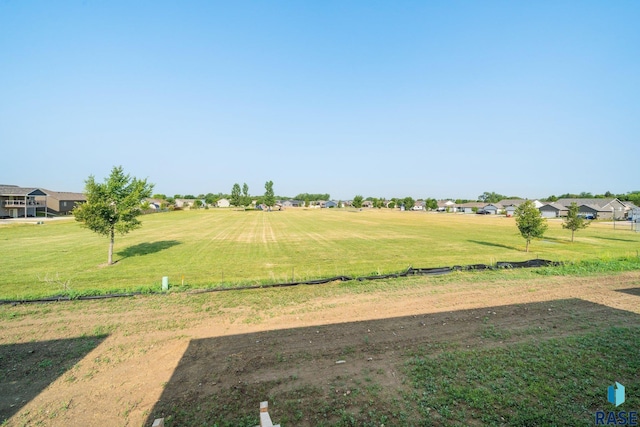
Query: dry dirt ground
pixel 124 362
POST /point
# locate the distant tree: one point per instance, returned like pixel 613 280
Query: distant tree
pixel 431 204
pixel 633 197
pixel 236 195
pixel 189 196
pixel 113 205
pixel 246 198
pixel 210 198
pixel 159 196
pixel 391 205
pixel 585 195
pixel 408 203
pixel 177 196
pixel 197 204
pixel 357 202
pixel 529 221
pixel 269 197
pixel 491 197
pixel 573 221
pixel 551 199
pixel 340 204
pixel 312 196
pixel 307 202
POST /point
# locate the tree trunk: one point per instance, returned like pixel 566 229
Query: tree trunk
pixel 572 233
pixel 111 240
pixel 527 248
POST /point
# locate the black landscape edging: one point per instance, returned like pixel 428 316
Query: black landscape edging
pixel 437 271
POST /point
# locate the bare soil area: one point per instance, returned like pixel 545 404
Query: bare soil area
pixel 124 362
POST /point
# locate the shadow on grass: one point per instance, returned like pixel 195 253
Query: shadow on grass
pixel 630 291
pixel 147 248
pixel 615 239
pixel 495 245
pixel 335 374
pixel 27 369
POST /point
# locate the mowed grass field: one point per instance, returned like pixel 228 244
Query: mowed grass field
pixel 221 248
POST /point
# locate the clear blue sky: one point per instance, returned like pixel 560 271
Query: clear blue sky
pixel 395 98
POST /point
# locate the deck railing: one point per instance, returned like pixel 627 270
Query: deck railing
pixel 22 203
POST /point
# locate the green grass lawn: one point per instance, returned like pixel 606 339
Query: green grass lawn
pixel 211 248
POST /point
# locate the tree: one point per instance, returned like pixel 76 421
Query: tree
pixel 269 196
pixel 573 221
pixel 236 196
pixel 113 205
pixel 529 221
pixel 408 203
pixel 246 199
pixel 491 197
pixel 431 204
pixel 357 202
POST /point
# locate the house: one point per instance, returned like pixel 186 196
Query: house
pixel 493 209
pixel 446 206
pixel 223 203
pixel 469 207
pixel 634 214
pixel 628 208
pixel 419 205
pixel 16 202
pixel 330 204
pixel 553 210
pixel 292 203
pixel 61 202
pixel 597 208
pixel 367 204
pixel 183 203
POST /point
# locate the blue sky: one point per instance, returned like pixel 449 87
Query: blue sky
pixel 396 98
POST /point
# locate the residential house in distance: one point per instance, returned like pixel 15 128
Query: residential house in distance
pixel 17 202
pixel 469 207
pixel 184 203
pixel 61 202
pixel 446 206
pixel 610 208
pixel 553 210
pixel 509 206
pixel 223 203
pixel 493 209
pixel 21 202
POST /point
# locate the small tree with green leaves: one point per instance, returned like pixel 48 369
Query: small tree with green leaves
pixel 269 195
pixel 246 198
pixel 573 221
pixel 408 203
pixel 113 206
pixel 236 195
pixel 529 221
pixel 357 202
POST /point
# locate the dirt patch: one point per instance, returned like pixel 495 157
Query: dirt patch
pixel 183 355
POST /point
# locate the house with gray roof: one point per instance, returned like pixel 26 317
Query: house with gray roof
pixel 597 208
pixel 20 202
pixel 553 210
pixel 61 202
